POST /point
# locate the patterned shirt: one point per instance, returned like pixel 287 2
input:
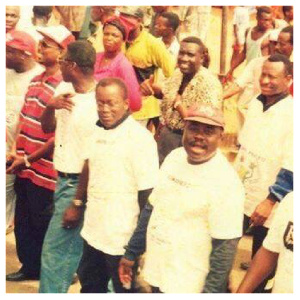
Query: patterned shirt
pixel 203 88
pixel 31 136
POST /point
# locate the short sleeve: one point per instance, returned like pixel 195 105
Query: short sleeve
pixel 145 162
pixel 274 239
pixel 226 211
pixel 287 162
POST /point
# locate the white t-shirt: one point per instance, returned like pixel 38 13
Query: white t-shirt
pixel 71 129
pixel 280 239
pixel 192 204
pixel 266 146
pixel 122 161
pixel 249 81
pixel 16 89
pixel 242 21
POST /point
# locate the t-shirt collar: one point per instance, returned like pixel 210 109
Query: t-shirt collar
pixel 262 98
pixel 126 115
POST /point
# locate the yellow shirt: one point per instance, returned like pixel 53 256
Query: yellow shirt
pixel 147 51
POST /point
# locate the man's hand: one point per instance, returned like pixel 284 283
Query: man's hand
pixel 17 165
pixel 262 212
pixel 62 101
pixel 125 270
pixel 72 216
pixel 146 86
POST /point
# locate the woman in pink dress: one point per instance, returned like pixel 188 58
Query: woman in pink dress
pixel 113 63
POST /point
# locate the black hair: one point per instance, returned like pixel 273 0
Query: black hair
pixel 203 49
pixel 42 11
pixel 83 54
pixel 290 30
pixel 118 24
pixel 285 60
pixel 114 81
pixel 172 18
pixel 285 9
pixel 263 9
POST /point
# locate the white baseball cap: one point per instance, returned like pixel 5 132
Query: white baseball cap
pixel 59 34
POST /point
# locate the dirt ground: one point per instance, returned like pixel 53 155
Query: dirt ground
pixel 243 254
pixel 31 286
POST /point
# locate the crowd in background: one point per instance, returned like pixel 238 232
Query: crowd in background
pixel 114 130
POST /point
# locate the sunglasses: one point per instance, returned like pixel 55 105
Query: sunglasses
pixel 44 44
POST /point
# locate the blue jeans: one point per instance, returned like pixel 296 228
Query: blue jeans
pixel 62 248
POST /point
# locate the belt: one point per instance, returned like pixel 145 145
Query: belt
pixel 68 175
pixel 177 131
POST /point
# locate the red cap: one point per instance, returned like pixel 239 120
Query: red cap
pixel 22 41
pixel 207 114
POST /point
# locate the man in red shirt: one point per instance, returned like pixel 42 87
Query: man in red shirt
pixel 36 177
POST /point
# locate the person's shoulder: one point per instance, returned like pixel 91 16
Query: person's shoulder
pixel 177 155
pixel 136 130
pixel 225 170
pixel 64 87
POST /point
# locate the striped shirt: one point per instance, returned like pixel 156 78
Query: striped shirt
pixel 32 137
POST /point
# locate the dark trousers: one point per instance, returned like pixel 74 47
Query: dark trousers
pixel 168 141
pixel 259 233
pixel 95 270
pixel 34 208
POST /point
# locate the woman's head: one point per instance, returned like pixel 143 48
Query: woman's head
pixel 114 34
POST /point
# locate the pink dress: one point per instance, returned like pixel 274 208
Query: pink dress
pixel 121 68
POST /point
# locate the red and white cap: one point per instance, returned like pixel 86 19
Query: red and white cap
pixel 59 34
pixel 205 113
pixel 22 41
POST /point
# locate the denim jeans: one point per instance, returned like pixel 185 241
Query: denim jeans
pixel 62 249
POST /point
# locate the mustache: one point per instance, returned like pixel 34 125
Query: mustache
pixel 198 144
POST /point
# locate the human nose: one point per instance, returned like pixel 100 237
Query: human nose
pixel 264 80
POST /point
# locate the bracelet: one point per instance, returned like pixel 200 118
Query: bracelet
pixel 27 163
pixel 78 203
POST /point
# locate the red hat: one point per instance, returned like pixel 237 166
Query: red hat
pixel 59 34
pixel 128 24
pixel 22 41
pixel 207 114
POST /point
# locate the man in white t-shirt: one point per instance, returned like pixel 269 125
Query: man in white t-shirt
pixel 195 212
pixel 120 170
pixel 21 69
pixel 72 114
pixel 265 159
pixel 276 252
pixel 248 82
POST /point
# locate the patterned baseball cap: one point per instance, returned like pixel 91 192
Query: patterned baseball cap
pixel 59 34
pixel 207 114
pixel 22 41
pixel 133 11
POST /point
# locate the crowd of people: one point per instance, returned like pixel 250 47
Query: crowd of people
pixel 114 128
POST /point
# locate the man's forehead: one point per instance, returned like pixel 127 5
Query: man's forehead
pixel 284 36
pixel 13 9
pixel 265 16
pixel 273 66
pixel 189 46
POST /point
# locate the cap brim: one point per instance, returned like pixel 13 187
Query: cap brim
pixel 204 121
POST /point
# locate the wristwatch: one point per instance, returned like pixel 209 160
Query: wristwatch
pixel 78 203
pixel 27 163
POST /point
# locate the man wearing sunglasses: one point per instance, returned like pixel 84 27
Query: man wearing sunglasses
pixel 36 177
pixel 72 114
